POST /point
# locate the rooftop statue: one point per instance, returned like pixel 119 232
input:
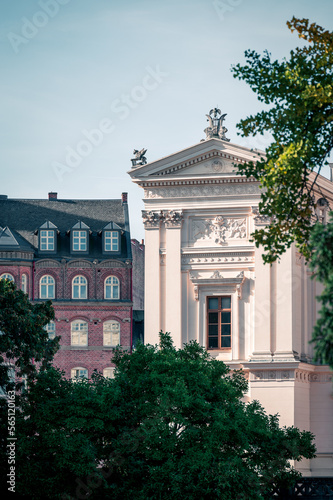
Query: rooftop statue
pixel 216 128
pixel 139 157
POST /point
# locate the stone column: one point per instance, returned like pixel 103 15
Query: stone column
pixel 173 308
pixel 152 313
pixel 284 308
pixel 262 301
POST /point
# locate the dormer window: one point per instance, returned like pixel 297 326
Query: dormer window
pixel 80 238
pixel 48 237
pixel 79 241
pixel 111 238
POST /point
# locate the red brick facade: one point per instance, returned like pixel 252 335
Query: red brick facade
pixel 96 309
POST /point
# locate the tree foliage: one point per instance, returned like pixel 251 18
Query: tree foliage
pixel 299 95
pixel 24 343
pixel 171 424
pixel 321 241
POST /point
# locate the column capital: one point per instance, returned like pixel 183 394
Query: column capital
pixel 260 220
pixel 173 218
pixel 151 220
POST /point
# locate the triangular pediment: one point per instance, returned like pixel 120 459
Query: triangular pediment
pixel 207 158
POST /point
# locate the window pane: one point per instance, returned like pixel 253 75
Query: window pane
pixel 226 342
pixel 226 302
pixel 213 330
pixel 212 342
pixel 213 317
pixel 213 303
pixel 226 317
pixel 226 329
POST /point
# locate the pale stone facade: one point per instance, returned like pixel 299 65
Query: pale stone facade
pixel 198 219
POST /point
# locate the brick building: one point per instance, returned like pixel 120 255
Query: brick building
pixel 78 254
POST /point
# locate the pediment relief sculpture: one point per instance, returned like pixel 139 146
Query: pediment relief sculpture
pixel 219 230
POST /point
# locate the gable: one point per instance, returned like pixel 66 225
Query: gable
pixel 208 158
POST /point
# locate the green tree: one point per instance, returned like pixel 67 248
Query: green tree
pixel 24 343
pixel 170 425
pixel 299 95
pixel 24 350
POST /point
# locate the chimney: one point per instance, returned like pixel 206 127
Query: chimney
pixel 124 198
pixel 53 196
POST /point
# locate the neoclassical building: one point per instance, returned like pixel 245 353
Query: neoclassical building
pixel 205 280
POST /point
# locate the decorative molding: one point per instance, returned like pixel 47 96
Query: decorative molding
pixel 216 275
pixel 47 263
pixel 206 188
pixel 198 159
pixel 230 285
pixel 265 375
pixel 80 264
pixel 214 258
pixel 112 263
pixel 219 230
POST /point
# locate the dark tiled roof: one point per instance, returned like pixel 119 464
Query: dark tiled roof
pixel 25 217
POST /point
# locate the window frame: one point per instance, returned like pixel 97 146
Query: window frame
pixel 110 332
pixel 80 232
pixel 219 311
pixel 51 332
pixel 77 378
pixel 111 285
pixel 24 283
pixel 81 332
pixel 79 286
pixel 114 234
pixel 48 238
pixel 4 277
pixel 47 287
pixel 110 369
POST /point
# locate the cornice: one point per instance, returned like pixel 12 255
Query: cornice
pixel 177 181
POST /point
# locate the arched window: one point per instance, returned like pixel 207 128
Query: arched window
pixel 79 333
pixel 47 287
pixel 108 372
pixel 7 276
pixel 111 333
pixel 79 373
pixel 24 283
pixel 79 287
pixel 111 288
pixel 51 329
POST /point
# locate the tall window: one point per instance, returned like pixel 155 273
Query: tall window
pixel 79 373
pixel 47 239
pixel 79 287
pixel 79 333
pixel 7 276
pixel 47 288
pixel 108 372
pixel 24 283
pixel 219 322
pixel 111 333
pixel 80 241
pixel 111 241
pixel 51 329
pixel 111 288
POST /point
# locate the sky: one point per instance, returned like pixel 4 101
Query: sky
pixel 84 82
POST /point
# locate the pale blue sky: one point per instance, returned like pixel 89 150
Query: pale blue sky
pixel 68 64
